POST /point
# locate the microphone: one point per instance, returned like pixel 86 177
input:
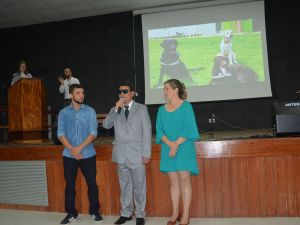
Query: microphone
pixel 119 108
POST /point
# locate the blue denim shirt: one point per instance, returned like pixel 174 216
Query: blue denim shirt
pixel 76 125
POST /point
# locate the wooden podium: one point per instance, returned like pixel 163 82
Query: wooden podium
pixel 27 111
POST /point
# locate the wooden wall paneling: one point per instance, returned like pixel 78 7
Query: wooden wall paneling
pixel 160 192
pixel 150 207
pixel 240 189
pixel 56 185
pixel 104 186
pixel 257 186
pixel 280 186
pixel 217 186
pixel 290 186
pixel 297 182
pixel 237 179
pixel 209 187
pixel 227 192
pixel 198 208
pixel 115 189
pixel 270 191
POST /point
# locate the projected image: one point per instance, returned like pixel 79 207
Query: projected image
pixel 227 52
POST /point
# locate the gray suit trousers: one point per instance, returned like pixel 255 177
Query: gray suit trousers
pixel 133 188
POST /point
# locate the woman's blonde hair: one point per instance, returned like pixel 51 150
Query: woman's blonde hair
pixel 174 83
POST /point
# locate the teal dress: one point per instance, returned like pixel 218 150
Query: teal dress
pixel 179 123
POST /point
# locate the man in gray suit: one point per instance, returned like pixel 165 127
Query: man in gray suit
pixel 131 151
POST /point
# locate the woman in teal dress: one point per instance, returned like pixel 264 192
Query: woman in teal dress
pixel 176 131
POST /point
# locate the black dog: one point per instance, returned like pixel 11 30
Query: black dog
pixel 243 73
pixel 170 63
pixel 224 73
pixel 221 71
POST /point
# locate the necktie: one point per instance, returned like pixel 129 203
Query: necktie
pixel 126 111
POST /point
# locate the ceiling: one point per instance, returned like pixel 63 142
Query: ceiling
pixel 15 13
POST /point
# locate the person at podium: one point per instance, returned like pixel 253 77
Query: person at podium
pixel 65 83
pixel 22 73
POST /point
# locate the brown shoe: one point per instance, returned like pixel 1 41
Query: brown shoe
pixel 171 222
pixel 186 223
pixel 174 222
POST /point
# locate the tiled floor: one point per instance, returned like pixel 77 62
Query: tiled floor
pixel 16 217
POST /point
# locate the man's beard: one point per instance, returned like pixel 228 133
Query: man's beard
pixel 78 102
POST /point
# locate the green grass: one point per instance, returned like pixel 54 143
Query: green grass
pixel 200 51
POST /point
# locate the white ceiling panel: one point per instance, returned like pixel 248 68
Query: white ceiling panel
pixel 26 12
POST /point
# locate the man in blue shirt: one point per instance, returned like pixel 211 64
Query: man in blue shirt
pixel 77 128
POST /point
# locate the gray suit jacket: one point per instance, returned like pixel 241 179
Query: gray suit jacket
pixel 132 138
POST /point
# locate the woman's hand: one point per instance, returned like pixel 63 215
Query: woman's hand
pixel 173 149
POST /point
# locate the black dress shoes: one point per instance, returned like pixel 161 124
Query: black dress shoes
pixel 140 221
pixel 123 220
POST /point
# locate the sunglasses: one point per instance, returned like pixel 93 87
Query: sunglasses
pixel 124 91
